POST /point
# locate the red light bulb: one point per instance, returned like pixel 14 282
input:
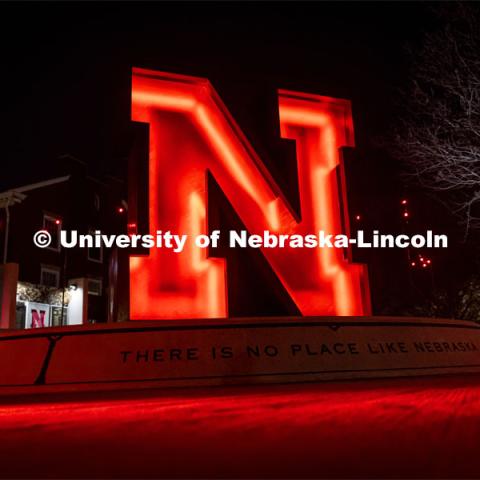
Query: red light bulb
pixel 132 228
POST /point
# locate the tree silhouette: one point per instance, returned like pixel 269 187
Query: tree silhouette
pixel 438 130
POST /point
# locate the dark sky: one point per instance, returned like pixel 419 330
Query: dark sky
pixel 66 67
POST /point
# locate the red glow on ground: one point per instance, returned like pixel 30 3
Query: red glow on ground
pixel 403 428
pixel 191 131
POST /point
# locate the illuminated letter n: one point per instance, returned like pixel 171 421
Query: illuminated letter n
pixel 191 132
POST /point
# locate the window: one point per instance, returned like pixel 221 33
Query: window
pixel 53 226
pixel 21 313
pixel 95 254
pixel 49 276
pixel 95 286
pixel 58 316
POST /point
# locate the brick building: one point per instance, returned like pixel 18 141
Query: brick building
pixel 59 286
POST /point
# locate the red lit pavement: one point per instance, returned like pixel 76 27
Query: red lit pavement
pixel 423 427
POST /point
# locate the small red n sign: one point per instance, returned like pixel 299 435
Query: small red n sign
pixel 38 318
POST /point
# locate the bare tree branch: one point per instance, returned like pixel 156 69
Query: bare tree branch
pixel 438 136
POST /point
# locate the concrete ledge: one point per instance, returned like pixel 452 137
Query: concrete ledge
pixel 233 351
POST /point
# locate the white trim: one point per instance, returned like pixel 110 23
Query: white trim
pixel 46 183
pixel 11 197
pixel 96 260
pixel 97 281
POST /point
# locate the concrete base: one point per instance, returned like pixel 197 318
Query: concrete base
pixel 234 351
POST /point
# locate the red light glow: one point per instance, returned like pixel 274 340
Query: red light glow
pixel 192 132
pixel 406 214
pixel 120 209
pixel 57 222
pixel 132 228
pixel 204 433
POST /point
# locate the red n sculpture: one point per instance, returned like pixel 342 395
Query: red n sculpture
pixel 191 132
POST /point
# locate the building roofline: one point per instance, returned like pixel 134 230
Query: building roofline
pixel 45 183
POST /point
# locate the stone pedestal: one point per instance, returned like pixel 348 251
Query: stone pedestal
pixel 235 351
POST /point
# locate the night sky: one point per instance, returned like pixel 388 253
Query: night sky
pixel 67 67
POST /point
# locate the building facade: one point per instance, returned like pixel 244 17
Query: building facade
pixel 60 286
